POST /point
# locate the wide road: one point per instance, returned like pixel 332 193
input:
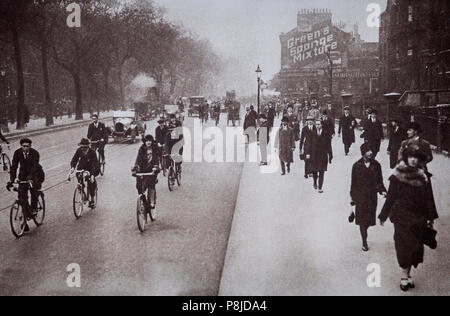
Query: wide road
pixel 182 253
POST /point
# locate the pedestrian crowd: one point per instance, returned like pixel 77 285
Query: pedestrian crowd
pixel 409 201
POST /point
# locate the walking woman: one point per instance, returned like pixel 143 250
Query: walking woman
pixel 320 154
pixel 367 181
pixel 410 208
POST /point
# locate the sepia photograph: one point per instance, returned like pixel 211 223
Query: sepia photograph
pixel 223 154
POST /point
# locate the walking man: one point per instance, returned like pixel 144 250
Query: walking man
pixel 397 136
pixel 347 125
pixel 285 143
pixel 306 143
pixel 373 133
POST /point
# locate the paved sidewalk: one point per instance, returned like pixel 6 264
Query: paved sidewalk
pixel 287 239
pixel 38 125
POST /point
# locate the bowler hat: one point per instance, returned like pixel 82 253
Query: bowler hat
pixel 310 118
pixel 84 142
pixel 285 120
pixel 160 121
pixel 415 126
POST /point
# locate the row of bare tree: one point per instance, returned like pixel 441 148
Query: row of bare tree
pixel 116 40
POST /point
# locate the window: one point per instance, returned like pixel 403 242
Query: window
pixel 410 48
pixel 410 13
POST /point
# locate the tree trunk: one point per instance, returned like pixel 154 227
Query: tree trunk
pixel 78 96
pixel 48 100
pixel 20 78
pixel 106 87
pixel 122 93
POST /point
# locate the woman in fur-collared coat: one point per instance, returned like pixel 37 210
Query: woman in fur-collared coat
pixel 409 205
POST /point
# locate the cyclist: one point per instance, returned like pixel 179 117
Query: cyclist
pixel 173 137
pixel 30 170
pixel 97 132
pixel 85 158
pixel 147 160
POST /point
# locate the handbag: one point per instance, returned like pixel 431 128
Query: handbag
pixel 429 237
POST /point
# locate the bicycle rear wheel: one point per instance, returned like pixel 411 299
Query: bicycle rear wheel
pixel 6 163
pixel 78 203
pixel 141 214
pixel 17 220
pixel 40 216
pixel 179 176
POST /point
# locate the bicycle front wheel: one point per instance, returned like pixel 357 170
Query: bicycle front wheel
pixel 179 176
pixel 153 213
pixel 78 202
pixel 141 215
pixel 170 178
pixel 40 216
pixel 17 220
pixel 6 163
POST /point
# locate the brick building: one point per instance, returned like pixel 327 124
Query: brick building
pixel 306 52
pixel 415 45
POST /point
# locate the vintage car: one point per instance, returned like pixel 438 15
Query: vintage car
pixel 172 109
pixel 194 105
pixel 127 126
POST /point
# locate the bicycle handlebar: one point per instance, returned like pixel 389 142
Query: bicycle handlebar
pixel 83 172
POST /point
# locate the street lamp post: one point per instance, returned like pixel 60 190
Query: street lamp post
pixel 3 116
pixel 258 76
pixel 330 61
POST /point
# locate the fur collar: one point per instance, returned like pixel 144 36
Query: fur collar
pixel 413 176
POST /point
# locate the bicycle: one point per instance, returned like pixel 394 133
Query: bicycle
pixel 18 219
pixel 174 172
pixel 95 147
pixel 162 160
pixel 5 160
pixel 80 196
pixel 143 204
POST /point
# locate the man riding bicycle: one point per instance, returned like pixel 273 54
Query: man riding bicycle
pixel 173 137
pixel 97 133
pixel 146 162
pixel 30 170
pixel 85 158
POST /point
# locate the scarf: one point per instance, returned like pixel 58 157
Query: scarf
pixel 413 176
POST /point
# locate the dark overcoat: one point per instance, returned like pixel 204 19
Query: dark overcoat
pixel 347 125
pixel 373 134
pixel 285 143
pixel 409 205
pixel 395 141
pixel 366 183
pixel 97 133
pixel 320 151
pixel 306 144
pixel 25 166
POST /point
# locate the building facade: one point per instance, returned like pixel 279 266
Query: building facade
pixel 320 58
pixel 415 45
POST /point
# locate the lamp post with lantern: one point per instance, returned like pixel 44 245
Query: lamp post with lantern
pixel 258 77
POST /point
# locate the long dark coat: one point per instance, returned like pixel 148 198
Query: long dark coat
pixel 250 119
pixel 320 151
pixel 395 141
pixel 409 205
pixel 373 134
pixel 366 183
pixel 294 124
pixel 347 125
pixel 306 144
pixel 285 142
pixel 97 133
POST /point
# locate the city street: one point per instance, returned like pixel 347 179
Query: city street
pixel 182 253
pixel 285 238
